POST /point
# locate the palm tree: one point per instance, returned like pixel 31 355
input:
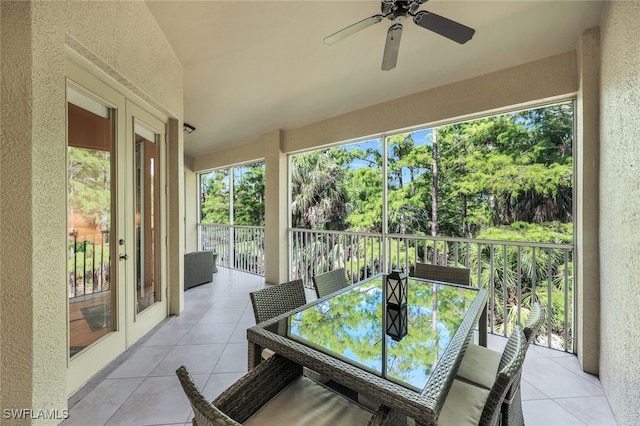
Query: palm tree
pixel 319 197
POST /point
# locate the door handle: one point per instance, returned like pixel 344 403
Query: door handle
pixel 124 257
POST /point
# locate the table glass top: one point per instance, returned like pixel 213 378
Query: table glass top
pixel 403 345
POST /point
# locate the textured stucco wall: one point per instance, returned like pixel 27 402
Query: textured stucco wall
pixel 619 209
pixel 276 209
pixel 191 208
pixel 531 82
pixel 16 257
pixel 122 39
pixel 586 203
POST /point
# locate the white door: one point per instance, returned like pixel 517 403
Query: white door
pixel 146 243
pixel 116 224
pixel 96 215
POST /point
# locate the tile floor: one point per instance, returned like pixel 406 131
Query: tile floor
pixel 210 339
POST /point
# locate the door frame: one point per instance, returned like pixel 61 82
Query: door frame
pixel 139 324
pixel 97 355
pixel 128 327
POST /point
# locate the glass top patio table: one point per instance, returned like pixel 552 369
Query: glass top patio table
pixel 353 337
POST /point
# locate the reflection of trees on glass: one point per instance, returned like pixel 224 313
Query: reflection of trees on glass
pixel 89 206
pixel 430 330
pixel 351 325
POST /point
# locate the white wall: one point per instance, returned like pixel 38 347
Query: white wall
pixel 620 210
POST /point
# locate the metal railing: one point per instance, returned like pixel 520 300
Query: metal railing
pixel 238 247
pixel 514 273
pixel 89 263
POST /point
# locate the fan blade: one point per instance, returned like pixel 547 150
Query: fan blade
pixel 352 29
pixel 391 47
pixel 443 26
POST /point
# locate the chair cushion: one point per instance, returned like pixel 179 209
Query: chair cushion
pixel 305 402
pixel 479 366
pixel 267 353
pixel 464 405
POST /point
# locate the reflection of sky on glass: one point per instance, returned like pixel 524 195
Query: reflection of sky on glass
pixel 349 326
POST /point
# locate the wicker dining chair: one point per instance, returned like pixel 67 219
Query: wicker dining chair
pixel 448 274
pixel 468 404
pixel 277 299
pixel 329 282
pixel 276 393
pixel 480 364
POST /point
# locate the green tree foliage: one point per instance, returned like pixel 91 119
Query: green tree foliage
pixel 215 197
pixel 248 195
pixel 502 178
pixel 319 194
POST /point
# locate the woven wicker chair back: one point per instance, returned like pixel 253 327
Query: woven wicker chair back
pixel 447 274
pixel 277 299
pixel 509 373
pixel 329 282
pixel 205 413
pixel 534 322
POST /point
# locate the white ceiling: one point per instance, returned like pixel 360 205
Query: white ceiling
pixel 254 66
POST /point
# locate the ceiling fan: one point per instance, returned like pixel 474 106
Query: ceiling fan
pixel 397 11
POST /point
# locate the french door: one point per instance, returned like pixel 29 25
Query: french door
pixel 145 248
pixel 116 226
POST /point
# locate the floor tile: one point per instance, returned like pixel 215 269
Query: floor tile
pixel 529 392
pixel 203 334
pixel 218 315
pixel 190 316
pixel 240 332
pixel 100 404
pixel 141 363
pixel 233 359
pixel 556 381
pixel 168 335
pixel 199 359
pixel 239 301
pixel 571 363
pixel 158 400
pixel 191 301
pixel 593 410
pixel 545 412
pixel 248 315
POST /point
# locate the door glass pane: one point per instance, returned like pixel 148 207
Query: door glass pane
pixel 90 191
pixel 147 218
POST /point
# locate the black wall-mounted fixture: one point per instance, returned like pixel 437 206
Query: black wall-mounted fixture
pixel 188 128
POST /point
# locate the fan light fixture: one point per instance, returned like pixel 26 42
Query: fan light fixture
pixel 188 128
pixel 397 11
